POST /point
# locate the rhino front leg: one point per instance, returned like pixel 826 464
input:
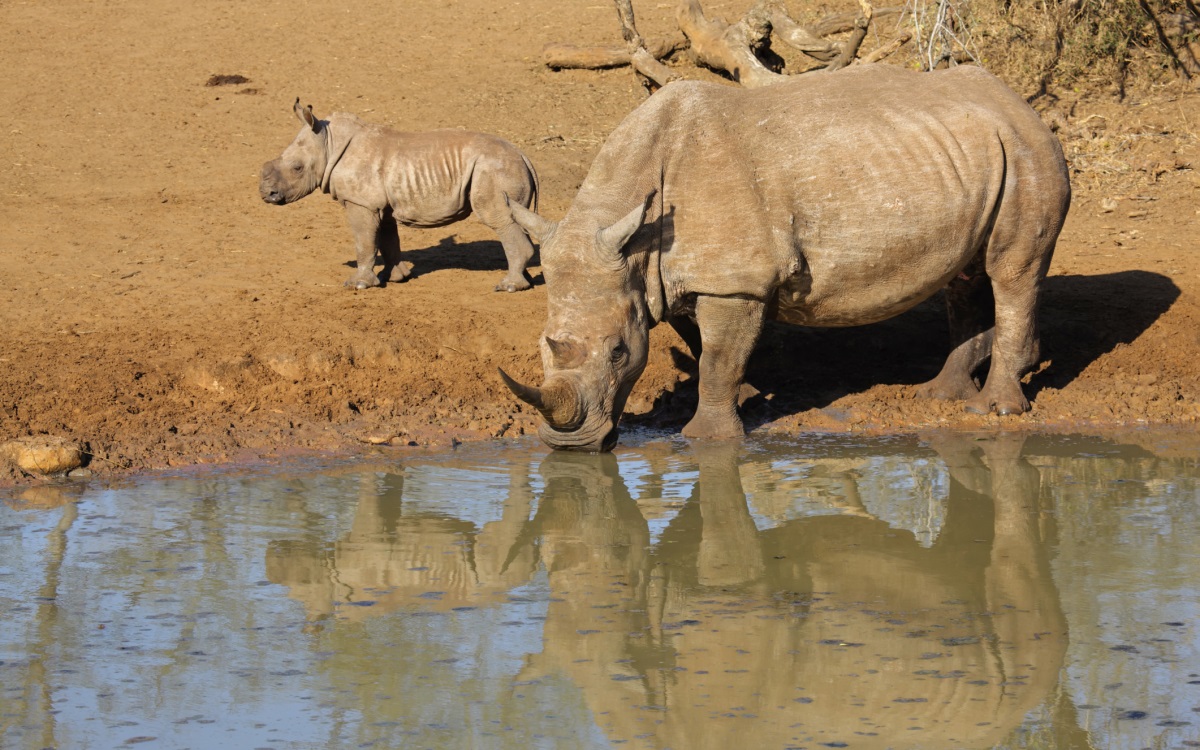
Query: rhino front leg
pixel 729 328
pixel 364 223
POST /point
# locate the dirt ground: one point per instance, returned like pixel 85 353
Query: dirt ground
pixel 157 311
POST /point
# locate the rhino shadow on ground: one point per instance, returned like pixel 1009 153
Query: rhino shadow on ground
pixel 795 369
pixel 480 255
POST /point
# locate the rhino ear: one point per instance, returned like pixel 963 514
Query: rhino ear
pixel 305 114
pixel 537 227
pixel 613 238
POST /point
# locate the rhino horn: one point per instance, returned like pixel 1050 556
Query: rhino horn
pixel 567 354
pixel 557 400
pixel 537 227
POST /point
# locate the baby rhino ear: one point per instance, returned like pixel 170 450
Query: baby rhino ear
pixel 305 114
pixel 535 226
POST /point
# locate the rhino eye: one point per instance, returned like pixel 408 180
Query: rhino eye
pixel 619 351
pixel 297 168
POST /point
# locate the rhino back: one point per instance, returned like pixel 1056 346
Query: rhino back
pixel 425 177
pixel 875 179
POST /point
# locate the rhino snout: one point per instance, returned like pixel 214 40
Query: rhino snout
pixel 268 185
pixel 587 442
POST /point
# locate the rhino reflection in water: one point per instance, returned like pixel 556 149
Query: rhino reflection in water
pixel 395 559
pixel 823 629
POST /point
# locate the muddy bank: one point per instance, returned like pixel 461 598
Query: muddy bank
pixel 159 314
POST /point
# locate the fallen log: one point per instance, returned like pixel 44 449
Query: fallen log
pixel 560 56
pixel 742 50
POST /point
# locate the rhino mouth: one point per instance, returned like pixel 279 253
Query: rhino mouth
pixel 590 441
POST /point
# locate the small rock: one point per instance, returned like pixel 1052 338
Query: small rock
pixel 379 438
pixel 43 455
pixel 285 365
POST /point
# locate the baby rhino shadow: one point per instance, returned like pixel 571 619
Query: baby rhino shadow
pixel 449 253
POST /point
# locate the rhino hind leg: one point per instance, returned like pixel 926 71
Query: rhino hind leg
pixel 491 192
pixel 518 251
pixel 970 309
pixel 729 328
pixel 387 243
pixel 1015 347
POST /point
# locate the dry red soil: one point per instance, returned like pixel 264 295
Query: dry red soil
pixel 156 310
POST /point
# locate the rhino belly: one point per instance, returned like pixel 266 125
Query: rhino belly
pixel 855 272
pixel 438 216
pixel 428 192
pixel 860 291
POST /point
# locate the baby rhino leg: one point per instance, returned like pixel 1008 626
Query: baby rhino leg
pixel 364 223
pixel 387 242
pixel 492 189
pixel 517 250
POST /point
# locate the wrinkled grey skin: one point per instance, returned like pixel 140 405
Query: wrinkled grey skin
pixel 383 177
pixel 830 200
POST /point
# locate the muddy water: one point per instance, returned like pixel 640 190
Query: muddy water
pixel 943 592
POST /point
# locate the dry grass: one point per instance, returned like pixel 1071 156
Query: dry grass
pixel 1041 46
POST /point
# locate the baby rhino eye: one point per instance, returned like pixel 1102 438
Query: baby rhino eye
pixel 297 168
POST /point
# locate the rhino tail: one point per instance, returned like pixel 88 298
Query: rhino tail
pixel 537 188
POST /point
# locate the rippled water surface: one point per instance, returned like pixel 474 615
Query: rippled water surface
pixel 943 592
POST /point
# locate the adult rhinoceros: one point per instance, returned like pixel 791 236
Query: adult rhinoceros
pixel 830 200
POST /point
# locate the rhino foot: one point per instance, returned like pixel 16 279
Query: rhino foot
pixel 362 280
pixel 510 285
pixel 714 426
pixel 985 403
pixel 949 388
pixel 400 272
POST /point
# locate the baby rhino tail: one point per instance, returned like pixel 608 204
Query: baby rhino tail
pixel 533 198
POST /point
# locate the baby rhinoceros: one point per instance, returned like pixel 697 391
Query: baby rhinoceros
pixel 383 177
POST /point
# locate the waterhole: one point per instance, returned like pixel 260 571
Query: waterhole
pixel 935 591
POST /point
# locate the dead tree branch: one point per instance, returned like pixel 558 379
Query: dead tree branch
pixel 883 51
pixel 741 49
pixel 850 48
pixel 801 38
pixel 642 57
pixel 559 56
pixel 628 26
pixel 645 64
pixel 729 47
